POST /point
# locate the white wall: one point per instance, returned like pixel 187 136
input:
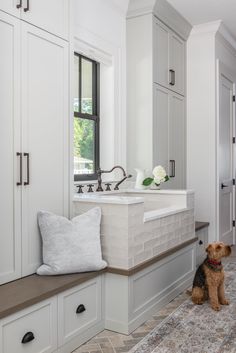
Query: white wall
pixel 100 33
pixel 201 173
pixel 204 47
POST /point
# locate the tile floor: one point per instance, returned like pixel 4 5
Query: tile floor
pixel 112 342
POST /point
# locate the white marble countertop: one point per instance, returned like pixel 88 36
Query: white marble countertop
pixel 108 197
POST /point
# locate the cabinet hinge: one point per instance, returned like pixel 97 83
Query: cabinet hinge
pixel 233 181
pixel 233 139
pixel 233 98
pixel 233 223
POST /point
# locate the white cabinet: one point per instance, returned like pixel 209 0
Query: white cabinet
pixel 33 330
pixel 10 204
pixel 155 98
pixel 169 58
pixel 33 140
pixel 11 6
pixel 79 309
pixel 169 132
pixel 50 15
pixel 44 134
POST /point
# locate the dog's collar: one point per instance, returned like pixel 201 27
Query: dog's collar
pixel 213 264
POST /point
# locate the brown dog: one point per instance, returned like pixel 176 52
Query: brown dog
pixel 209 278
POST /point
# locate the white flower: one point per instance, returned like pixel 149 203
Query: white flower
pixel 159 174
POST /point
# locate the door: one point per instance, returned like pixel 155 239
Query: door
pixel 226 88
pixel 13 7
pixel 51 15
pixel 10 202
pixel 44 135
pixel 161 54
pixel 176 64
pixel 160 127
pixel 177 142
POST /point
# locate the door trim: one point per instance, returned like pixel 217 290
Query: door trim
pixel 223 70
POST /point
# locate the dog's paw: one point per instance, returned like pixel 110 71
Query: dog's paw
pixel 225 302
pixel 216 307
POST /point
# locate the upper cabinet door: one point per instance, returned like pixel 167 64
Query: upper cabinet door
pixel 161 54
pixel 168 58
pixel 176 64
pixel 13 7
pixel 10 126
pixel 50 15
pixel 45 121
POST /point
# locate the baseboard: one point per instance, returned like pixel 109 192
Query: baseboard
pixel 82 338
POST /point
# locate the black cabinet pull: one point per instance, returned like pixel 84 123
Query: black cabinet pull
pixel 200 242
pixel 172 77
pixel 28 337
pixel 172 173
pixel 18 6
pixel 223 186
pixel 20 155
pixel 28 178
pixel 80 309
pixel 27 6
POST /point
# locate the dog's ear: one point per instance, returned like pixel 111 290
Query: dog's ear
pixel 209 248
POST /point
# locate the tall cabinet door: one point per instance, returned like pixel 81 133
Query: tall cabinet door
pixel 177 142
pixel 12 7
pixel 177 64
pixel 10 202
pixel 161 127
pixel 44 135
pixel 51 15
pixel 161 54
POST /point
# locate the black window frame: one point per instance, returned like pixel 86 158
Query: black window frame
pixel 94 117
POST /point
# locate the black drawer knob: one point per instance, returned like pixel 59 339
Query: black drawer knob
pixel 80 309
pixel 28 337
pixel 200 242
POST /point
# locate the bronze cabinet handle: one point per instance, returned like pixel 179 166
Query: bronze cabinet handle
pixel 27 6
pixel 20 155
pixel 172 174
pixel 28 177
pixel 172 77
pixel 28 337
pixel 81 308
pixel 18 6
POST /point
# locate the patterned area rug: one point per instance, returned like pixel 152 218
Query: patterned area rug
pixel 196 328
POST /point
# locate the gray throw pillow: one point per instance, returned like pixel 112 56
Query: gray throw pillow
pixel 70 246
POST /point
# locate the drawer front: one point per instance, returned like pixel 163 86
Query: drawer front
pixel 33 330
pixel 79 309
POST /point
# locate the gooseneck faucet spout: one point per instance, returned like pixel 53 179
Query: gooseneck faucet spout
pixel 100 172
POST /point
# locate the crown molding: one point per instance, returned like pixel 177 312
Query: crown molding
pixel 206 28
pixel 121 6
pixel 218 30
pixel 163 11
pixel 226 38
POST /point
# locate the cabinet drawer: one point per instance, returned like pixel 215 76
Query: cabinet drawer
pixel 33 330
pixel 79 309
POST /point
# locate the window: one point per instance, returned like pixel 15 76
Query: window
pixel 86 118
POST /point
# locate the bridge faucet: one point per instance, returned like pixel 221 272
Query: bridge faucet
pixel 100 172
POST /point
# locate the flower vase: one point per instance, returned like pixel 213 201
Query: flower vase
pixel 155 187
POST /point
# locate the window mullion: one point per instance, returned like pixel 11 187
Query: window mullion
pixel 80 84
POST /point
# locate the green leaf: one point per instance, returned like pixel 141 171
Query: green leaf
pixel 147 181
pixel 167 178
